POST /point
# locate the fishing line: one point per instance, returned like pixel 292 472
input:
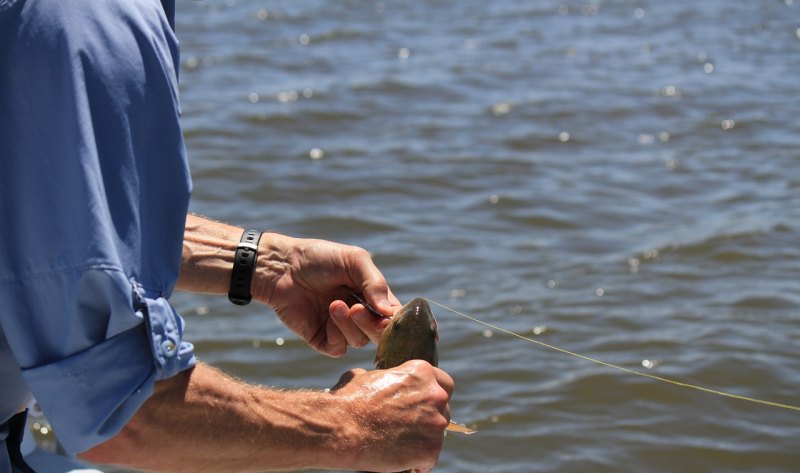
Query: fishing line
pixel 621 368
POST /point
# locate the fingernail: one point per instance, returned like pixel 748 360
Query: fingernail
pixel 339 312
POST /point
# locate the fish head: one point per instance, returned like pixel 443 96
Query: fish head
pixel 411 335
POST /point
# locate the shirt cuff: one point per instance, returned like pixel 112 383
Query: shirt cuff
pixel 90 396
pixel 170 353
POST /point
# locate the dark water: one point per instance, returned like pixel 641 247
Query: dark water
pixel 618 178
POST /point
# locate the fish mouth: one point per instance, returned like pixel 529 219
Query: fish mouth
pixel 420 305
pixel 415 308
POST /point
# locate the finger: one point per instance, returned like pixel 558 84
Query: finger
pixel 329 340
pixel 394 300
pixel 378 294
pixel 368 324
pixel 354 336
pixel 445 381
pixel 427 468
pixel 335 344
pixel 440 376
pixel 369 278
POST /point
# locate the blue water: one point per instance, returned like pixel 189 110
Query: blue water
pixel 618 178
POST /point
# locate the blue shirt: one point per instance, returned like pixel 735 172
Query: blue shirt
pixel 94 190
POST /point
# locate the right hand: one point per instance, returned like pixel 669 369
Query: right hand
pixel 401 415
pixel 303 280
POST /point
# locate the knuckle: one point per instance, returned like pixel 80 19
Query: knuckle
pixel 439 398
pixel 359 252
pixel 418 365
pixel 441 424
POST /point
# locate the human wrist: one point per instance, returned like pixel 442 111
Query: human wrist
pixel 344 447
pixel 318 427
pixel 272 263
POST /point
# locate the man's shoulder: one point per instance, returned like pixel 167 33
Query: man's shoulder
pixel 76 19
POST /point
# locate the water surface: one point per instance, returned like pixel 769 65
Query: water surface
pixel 619 178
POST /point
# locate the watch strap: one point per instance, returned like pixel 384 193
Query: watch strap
pixel 244 263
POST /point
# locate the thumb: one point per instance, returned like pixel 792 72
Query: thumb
pixel 380 297
pixel 347 377
pixel 373 285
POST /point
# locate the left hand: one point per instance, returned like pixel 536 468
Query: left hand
pixel 306 281
pixel 399 415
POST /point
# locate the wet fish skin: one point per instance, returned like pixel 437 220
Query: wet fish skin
pixel 411 335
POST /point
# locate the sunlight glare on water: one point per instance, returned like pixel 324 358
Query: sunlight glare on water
pixel 621 179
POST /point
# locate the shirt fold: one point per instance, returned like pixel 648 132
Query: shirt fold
pixel 94 191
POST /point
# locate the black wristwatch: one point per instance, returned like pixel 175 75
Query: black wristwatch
pixel 244 262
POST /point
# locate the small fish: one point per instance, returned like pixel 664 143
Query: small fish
pixel 412 335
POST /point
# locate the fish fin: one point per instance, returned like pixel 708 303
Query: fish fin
pixel 460 428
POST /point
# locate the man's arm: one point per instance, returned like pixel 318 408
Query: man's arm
pixel 203 420
pixel 208 250
pixel 383 420
pixel 303 280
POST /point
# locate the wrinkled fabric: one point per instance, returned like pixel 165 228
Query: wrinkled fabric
pixel 94 190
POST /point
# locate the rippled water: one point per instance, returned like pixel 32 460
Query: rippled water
pixel 618 178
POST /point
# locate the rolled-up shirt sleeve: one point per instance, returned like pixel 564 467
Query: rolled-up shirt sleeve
pixel 92 360
pixel 94 192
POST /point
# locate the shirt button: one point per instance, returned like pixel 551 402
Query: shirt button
pixel 168 348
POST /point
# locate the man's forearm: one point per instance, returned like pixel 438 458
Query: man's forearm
pixel 208 252
pixel 203 420
pixel 382 420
